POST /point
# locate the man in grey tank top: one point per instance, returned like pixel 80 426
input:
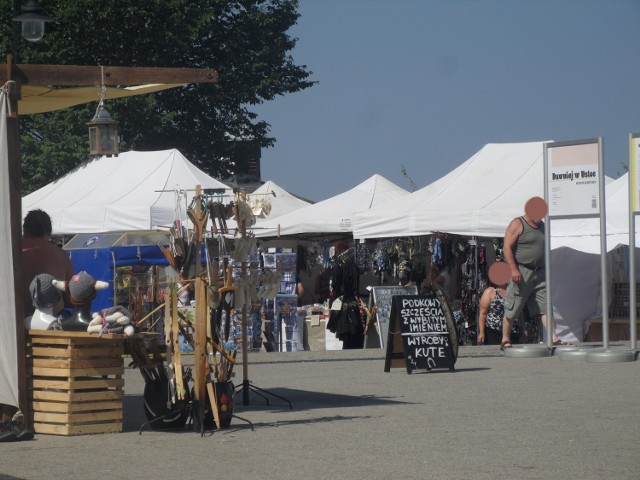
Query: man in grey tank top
pixel 524 253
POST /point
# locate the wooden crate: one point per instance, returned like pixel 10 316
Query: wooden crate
pixel 75 382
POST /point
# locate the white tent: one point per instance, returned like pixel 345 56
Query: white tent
pixel 479 197
pixel 133 191
pixel 333 215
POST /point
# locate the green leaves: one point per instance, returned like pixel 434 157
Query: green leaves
pixel 246 41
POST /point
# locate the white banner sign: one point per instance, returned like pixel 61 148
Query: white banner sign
pixel 573 179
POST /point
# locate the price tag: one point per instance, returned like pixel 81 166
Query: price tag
pixel 337 304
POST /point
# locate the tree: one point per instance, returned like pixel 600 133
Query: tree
pixel 246 41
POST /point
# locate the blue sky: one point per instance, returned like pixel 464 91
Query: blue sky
pixel 425 84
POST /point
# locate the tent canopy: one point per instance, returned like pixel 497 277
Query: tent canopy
pixel 40 99
pixel 480 197
pixel 333 215
pixel 133 191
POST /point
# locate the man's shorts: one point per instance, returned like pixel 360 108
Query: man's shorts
pixel 531 292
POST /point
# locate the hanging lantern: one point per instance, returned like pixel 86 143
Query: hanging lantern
pixel 32 19
pixel 103 134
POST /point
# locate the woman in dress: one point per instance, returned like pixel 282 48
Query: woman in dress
pixel 490 315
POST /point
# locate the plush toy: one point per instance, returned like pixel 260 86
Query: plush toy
pixel 111 320
pixel 82 290
pixel 47 300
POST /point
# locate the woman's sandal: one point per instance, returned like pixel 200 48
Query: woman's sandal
pixel 506 344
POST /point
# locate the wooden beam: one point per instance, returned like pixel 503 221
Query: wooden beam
pixel 78 75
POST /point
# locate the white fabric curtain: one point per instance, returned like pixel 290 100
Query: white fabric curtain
pixel 8 349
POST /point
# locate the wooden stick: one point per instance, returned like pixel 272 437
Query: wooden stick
pixel 213 400
pixel 177 356
pixel 200 366
pixel 150 313
pixel 162 305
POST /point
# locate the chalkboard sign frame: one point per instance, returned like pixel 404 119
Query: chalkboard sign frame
pixel 448 314
pixel 382 296
pixel 413 349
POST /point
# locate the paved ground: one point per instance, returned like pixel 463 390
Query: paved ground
pixel 495 417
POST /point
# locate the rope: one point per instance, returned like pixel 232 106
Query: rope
pixel 5 90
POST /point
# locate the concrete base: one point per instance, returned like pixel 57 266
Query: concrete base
pixel 610 355
pixel 527 351
pixel 573 353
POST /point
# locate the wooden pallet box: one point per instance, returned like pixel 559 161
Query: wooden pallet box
pixel 75 382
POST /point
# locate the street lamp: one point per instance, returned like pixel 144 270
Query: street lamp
pixel 32 19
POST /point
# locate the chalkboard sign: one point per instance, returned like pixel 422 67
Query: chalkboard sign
pixel 382 302
pixel 420 332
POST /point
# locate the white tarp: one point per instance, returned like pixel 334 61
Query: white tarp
pixel 133 191
pixel 575 286
pixel 8 352
pixel 333 215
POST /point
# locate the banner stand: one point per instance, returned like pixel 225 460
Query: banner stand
pixel 606 354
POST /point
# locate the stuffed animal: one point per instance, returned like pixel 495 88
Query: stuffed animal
pixel 82 290
pixel 112 320
pixel 47 300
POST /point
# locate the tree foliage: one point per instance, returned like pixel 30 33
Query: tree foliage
pixel 246 41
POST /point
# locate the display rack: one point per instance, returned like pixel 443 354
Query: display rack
pixel 246 387
pixel 209 327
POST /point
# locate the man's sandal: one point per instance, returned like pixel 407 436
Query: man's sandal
pixel 506 344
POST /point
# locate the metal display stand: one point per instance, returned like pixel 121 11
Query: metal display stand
pixel 246 387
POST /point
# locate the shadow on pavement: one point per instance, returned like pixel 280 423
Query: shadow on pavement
pixel 301 400
pixel 309 400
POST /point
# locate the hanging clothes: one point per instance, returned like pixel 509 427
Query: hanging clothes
pixel 347 323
